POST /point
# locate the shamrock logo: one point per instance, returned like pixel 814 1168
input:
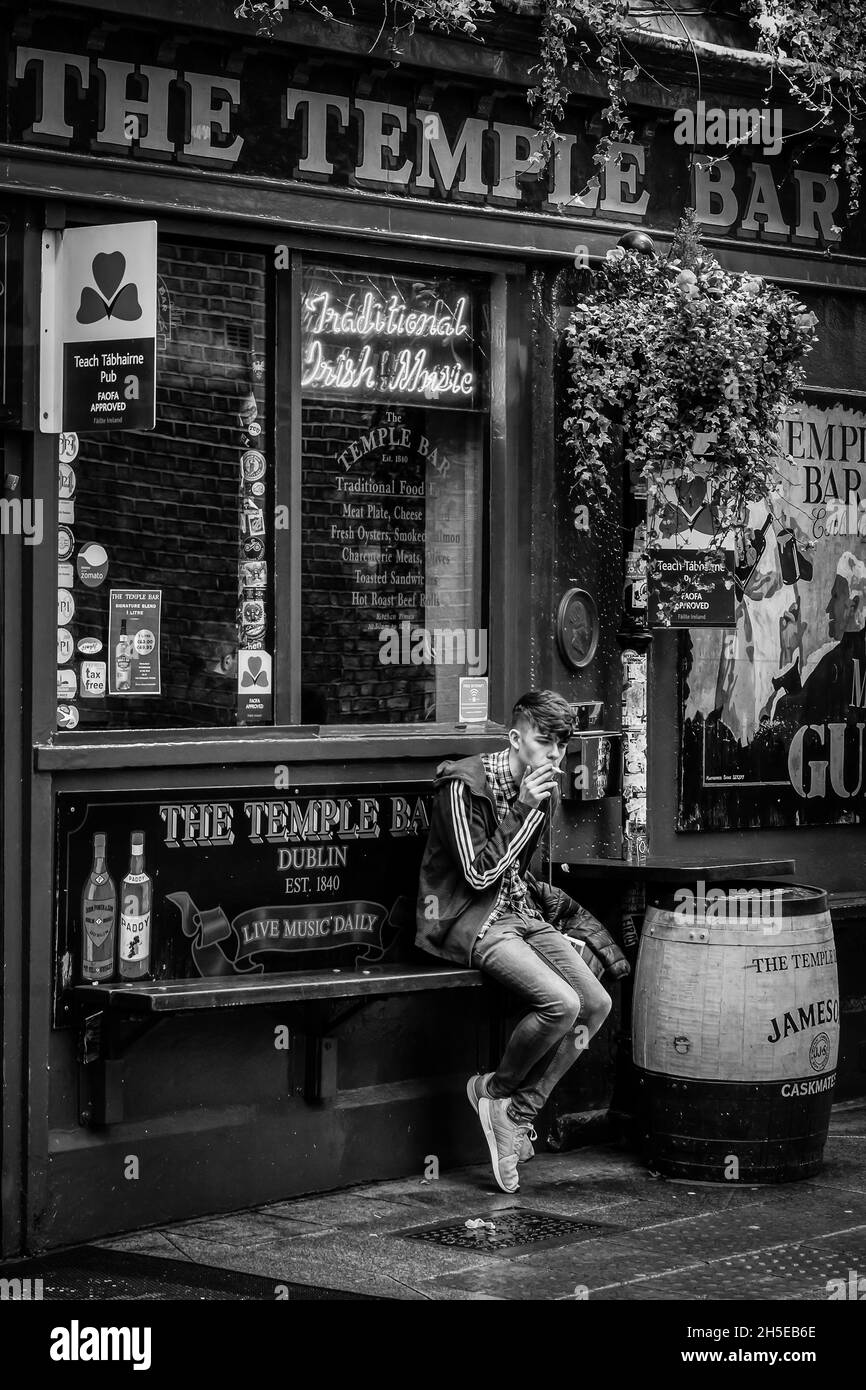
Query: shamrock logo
pixel 254 675
pixel 114 299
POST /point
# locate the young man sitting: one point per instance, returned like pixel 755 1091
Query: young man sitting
pixel 479 906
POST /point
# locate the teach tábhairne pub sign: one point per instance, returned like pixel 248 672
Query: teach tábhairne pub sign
pixel 98 328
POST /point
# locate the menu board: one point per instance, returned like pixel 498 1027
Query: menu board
pixel 393 510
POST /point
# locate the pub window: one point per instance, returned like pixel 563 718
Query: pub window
pixel 169 615
pixel 164 579
pixel 394 434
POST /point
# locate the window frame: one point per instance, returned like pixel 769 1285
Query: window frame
pixel 75 749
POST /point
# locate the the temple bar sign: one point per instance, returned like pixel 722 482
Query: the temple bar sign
pixel 262 117
pixel 98 329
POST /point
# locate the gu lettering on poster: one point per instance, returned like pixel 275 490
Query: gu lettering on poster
pixel 774 708
pixel 134 617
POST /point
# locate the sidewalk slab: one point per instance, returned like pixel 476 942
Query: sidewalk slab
pixel 646 1237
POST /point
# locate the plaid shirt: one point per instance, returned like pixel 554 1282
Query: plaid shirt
pixel 513 891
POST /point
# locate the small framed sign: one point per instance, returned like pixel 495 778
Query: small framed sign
pixel 474 699
pixel 698 585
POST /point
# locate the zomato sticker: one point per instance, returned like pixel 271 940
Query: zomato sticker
pixel 92 565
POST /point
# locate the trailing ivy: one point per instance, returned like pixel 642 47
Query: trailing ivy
pixel 818 48
pixel 672 359
pixel 565 27
pixel 453 16
pixel 827 40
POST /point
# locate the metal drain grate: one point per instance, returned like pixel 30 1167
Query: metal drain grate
pixel 513 1228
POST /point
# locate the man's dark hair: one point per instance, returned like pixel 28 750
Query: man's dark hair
pixel 547 712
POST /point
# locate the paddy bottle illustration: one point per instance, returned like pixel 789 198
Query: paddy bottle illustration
pixel 122 659
pixel 98 918
pixel 136 894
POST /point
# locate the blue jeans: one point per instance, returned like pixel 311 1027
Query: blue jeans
pixel 567 1006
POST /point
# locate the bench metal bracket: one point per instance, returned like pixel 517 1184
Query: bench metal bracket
pixel 103 1041
pixel 314 1073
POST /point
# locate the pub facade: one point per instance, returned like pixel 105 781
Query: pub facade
pixel 287 522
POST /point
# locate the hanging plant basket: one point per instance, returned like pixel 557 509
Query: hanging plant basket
pixel 674 360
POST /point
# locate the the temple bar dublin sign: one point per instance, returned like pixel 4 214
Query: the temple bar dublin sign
pixel 266 112
pixel 98 330
pixel 273 880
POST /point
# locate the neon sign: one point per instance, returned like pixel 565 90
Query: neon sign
pixel 394 319
pixel 388 339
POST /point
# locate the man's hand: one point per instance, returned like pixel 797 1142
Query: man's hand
pixel 537 785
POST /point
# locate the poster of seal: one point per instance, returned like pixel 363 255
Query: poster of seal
pixel 773 710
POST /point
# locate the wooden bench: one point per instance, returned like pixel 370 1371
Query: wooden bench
pixel 112 1016
pixel 184 996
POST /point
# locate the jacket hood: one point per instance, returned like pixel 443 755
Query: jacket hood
pixel 470 770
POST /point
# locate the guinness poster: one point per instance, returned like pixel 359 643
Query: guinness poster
pixel 774 709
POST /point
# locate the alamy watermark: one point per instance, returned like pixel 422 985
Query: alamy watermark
pixel 729 126
pixel 21 1290
pixel 22 517
pixel 408 645
pixel 853 1287
pixel 77 1343
pixel 708 906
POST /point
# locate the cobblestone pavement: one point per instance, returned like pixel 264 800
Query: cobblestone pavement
pixel 630 1236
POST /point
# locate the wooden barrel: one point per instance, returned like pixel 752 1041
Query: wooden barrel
pixel 736 1031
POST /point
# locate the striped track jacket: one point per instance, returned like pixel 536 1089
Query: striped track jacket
pixel 468 850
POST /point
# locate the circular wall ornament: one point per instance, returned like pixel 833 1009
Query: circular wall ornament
pixel 577 628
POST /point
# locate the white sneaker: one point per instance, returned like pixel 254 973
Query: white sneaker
pixel 504 1140
pixel 476 1089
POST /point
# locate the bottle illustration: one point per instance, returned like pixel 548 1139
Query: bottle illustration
pixel 98 918
pixel 136 894
pixel 122 659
